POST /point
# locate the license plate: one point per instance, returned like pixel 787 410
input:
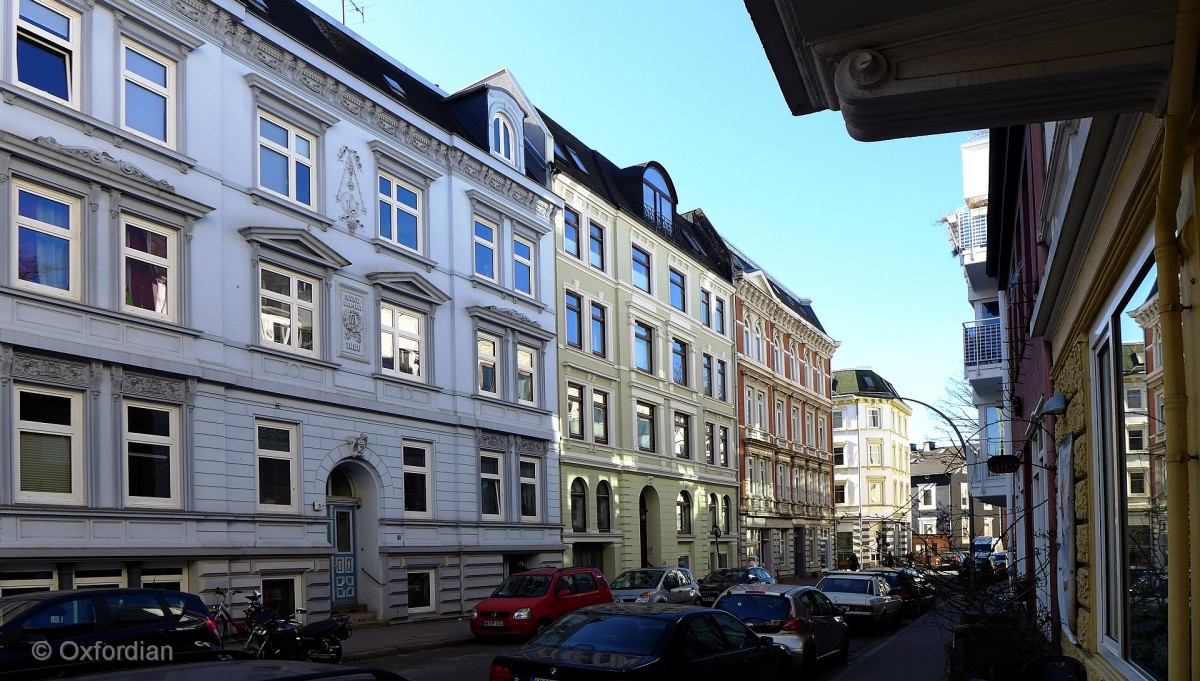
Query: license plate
pixel 493 623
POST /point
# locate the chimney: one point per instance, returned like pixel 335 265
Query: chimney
pixel 912 447
pixel 930 445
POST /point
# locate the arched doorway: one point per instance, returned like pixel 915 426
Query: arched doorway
pixel 349 496
pixel 650 527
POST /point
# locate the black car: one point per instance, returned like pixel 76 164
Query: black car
pixel 72 629
pixel 910 585
pixel 646 641
pixel 718 581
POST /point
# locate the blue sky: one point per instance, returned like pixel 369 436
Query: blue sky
pixel 851 225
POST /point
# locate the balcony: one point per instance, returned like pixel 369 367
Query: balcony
pixel 983 357
pixel 968 232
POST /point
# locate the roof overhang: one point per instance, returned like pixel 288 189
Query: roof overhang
pixel 932 66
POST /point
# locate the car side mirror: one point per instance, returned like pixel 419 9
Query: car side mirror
pixel 562 593
pixel 841 609
pixel 765 641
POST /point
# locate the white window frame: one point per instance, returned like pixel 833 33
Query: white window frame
pixel 874 418
pixel 874 485
pixel 822 433
pixel 839 419
pixel 72 235
pixel 530 263
pixel 839 490
pixel 500 127
pixel 292 457
pixel 169 263
pixel 927 526
pixel 780 423
pixel 490 245
pixel 168 92
pixel 297 586
pixel 777 342
pixel 296 304
pixel 293 157
pixel 874 453
pixel 393 333
pixel 834 453
pixel 1145 480
pixel 71 47
pixel 75 431
pixel 172 441
pixel 432 607
pixel 760 410
pixel 535 481
pixel 531 370
pixel 927 491
pixel 795 423
pixel 392 204
pixel 426 471
pixel 809 434
pixel 483 360
pixel 498 476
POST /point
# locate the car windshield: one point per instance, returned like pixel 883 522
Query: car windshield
pixel 845 586
pixel 731 575
pixel 756 607
pixel 637 579
pixel 520 586
pixel 9 609
pixel 619 634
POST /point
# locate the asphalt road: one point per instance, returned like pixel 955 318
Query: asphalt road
pixel 472 661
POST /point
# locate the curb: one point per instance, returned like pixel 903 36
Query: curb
pixel 401 649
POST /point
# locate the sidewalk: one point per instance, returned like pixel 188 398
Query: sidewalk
pixel 405 637
pixel 915 650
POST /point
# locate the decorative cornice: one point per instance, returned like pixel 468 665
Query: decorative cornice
pixel 144 385
pixel 764 304
pixel 228 31
pixel 105 160
pixel 45 369
pixel 494 441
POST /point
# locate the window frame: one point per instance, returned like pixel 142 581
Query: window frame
pixel 644 412
pixel 874 417
pixel 292 456
pixel 599 329
pixel 293 156
pixel 573 310
pixel 574 401
pixel 529 263
pixel 570 224
pixel 168 92
pixel 706 374
pixel 683 517
pixel 677 288
pixel 719 316
pixel 393 205
pixel 839 492
pixel 523 481
pixel 706 307
pixel 76 431
pixel 604 520
pixel 395 333
pixel 432 607
pixel 503 131
pixel 679 362
pixel 498 476
pixel 601 398
pixel 596 242
pixel 532 370
pixel 426 471
pixel 722 380
pixel 71 48
pixel 649 267
pixel 490 245
pixel 723 445
pixel 73 236
pixel 646 340
pixel 681 428
pixel 174 458
pixel 577 505
pixel 293 300
pixel 170 263
pixel 482 361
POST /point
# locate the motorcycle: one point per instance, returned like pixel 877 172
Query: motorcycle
pixel 276 638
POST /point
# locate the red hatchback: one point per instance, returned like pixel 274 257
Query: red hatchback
pixel 529 601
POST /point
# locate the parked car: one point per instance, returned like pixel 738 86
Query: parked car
pixel 977 569
pixel 907 583
pixel 801 618
pixel 718 581
pixel 57 625
pixel 865 597
pixel 656 585
pixel 951 560
pixel 529 601
pixel 645 641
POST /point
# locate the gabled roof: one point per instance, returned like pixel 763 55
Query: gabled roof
pixel 692 232
pixel 801 306
pixel 863 382
pixel 939 461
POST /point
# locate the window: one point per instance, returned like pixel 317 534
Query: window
pixel 710 442
pixel 485 249
pixel 839 492
pixel 723 445
pixel 276 451
pixel 706 374
pixel 152 455
pixel 645 427
pixel 571 231
pixel 599 331
pixel 148 95
pixel 679 373
pixel 487 350
pixel 726 516
pixel 641 269
pixel 721 373
pixel 927 526
pixel 420 591
pixel 875 492
pixel 809 437
pixel 658 206
pixel 285 159
pixel 578 506
pixel 47 49
pixel 760 410
pixel 574 411
pixel 490 487
pixel 684 505
pixel 529 489
pixel 874 419
pixel 780 423
pixel 1134 399
pixel 504 139
pixel 821 433
pixel 796 423
pixel 760 344
pixel 523 272
pixel 49 430
pixel 794 362
pixel 401 339
pixel 926 497
pixel 1137 483
pixel 574 320
pixel 603 507
pixel 748 410
pixel 643 350
pixel 705 308
pixel 46 248
pixel 526 375
pixel 837 419
pixel 279 594
pixel 596 246
pixel 417 479
pixel 683 436
pixel 149 274
pixel 400 212
pixel 288 309
pixel 1137 440
pixel 600 417
pixel 839 455
pixel 777 345
pixel 678 291
pixel 719 317
pixel 874 454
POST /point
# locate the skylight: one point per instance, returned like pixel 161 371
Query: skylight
pixel 394 85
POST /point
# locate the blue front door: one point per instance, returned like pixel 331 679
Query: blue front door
pixel 344 563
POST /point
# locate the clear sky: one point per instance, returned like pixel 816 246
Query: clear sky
pixel 854 226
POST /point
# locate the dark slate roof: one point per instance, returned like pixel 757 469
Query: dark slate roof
pixel 331 41
pixel 801 306
pixel 940 461
pixel 691 232
pixel 1133 357
pixel 861 382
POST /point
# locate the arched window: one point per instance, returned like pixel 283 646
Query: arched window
pixel 659 206
pixel 714 507
pixel 778 354
pixel 603 507
pixel 725 506
pixel 578 506
pixel 339 485
pixel 760 344
pixel 685 512
pixel 503 139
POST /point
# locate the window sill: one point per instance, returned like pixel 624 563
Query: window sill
pixel 383 245
pixel 290 356
pixel 101 311
pixel 406 382
pixel 302 213
pixel 518 405
pixel 507 294
pixel 686 535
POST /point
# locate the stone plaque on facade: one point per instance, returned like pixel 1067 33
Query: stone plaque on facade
pixel 353 324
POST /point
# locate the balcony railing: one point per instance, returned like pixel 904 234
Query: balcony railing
pixel 981 343
pixel 972 229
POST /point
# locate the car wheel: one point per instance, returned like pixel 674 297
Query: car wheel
pixel 810 660
pixel 541 626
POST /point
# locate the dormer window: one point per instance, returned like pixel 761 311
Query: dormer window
pixel 659 206
pixel 503 139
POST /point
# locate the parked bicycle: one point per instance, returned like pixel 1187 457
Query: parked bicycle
pixel 229 626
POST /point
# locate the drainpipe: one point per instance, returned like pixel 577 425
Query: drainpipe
pixel 1166 257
